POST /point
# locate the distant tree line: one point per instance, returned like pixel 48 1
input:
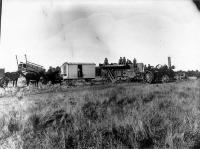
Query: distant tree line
pixel 195 73
pixel 190 73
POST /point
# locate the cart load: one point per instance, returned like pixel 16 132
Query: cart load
pixel 30 67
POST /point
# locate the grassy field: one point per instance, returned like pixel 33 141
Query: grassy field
pixel 122 116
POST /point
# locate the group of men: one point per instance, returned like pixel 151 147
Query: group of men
pixel 123 61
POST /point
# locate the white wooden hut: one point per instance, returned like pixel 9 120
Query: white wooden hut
pixel 78 70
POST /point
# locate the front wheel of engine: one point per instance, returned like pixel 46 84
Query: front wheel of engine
pixel 149 77
pixel 165 79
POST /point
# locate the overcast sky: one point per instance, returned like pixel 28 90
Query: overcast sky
pixel 55 31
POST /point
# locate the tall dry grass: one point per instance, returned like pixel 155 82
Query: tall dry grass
pixel 116 116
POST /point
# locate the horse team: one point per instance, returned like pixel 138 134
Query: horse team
pixel 52 76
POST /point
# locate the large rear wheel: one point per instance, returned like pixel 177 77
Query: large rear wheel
pixel 165 78
pixel 149 77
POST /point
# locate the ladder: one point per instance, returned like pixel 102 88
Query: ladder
pixel 111 76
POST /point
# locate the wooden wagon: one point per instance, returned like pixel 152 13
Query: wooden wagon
pixel 29 67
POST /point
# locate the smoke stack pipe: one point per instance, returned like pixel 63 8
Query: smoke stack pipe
pixel 17 60
pixel 169 62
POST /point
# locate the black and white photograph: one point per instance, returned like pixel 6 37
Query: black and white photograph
pixel 99 74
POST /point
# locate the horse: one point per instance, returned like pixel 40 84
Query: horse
pixel 53 75
pixel 33 76
pixel 13 76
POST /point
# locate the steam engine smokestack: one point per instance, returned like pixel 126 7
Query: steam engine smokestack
pixel 169 62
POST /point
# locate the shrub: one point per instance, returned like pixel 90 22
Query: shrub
pixel 178 143
pixel 148 97
pixel 88 137
pixel 192 139
pixel 58 118
pixel 165 104
pixel 90 111
pixel 2 122
pixel 112 97
pixel 113 94
pixel 53 130
pixel 124 135
pixel 13 125
pixel 182 94
pixel 158 129
pixel 126 101
pixel 94 111
pixel 34 120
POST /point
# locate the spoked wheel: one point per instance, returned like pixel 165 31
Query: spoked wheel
pixel 165 78
pixel 149 77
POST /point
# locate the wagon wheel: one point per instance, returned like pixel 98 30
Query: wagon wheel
pixel 148 77
pixel 165 78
